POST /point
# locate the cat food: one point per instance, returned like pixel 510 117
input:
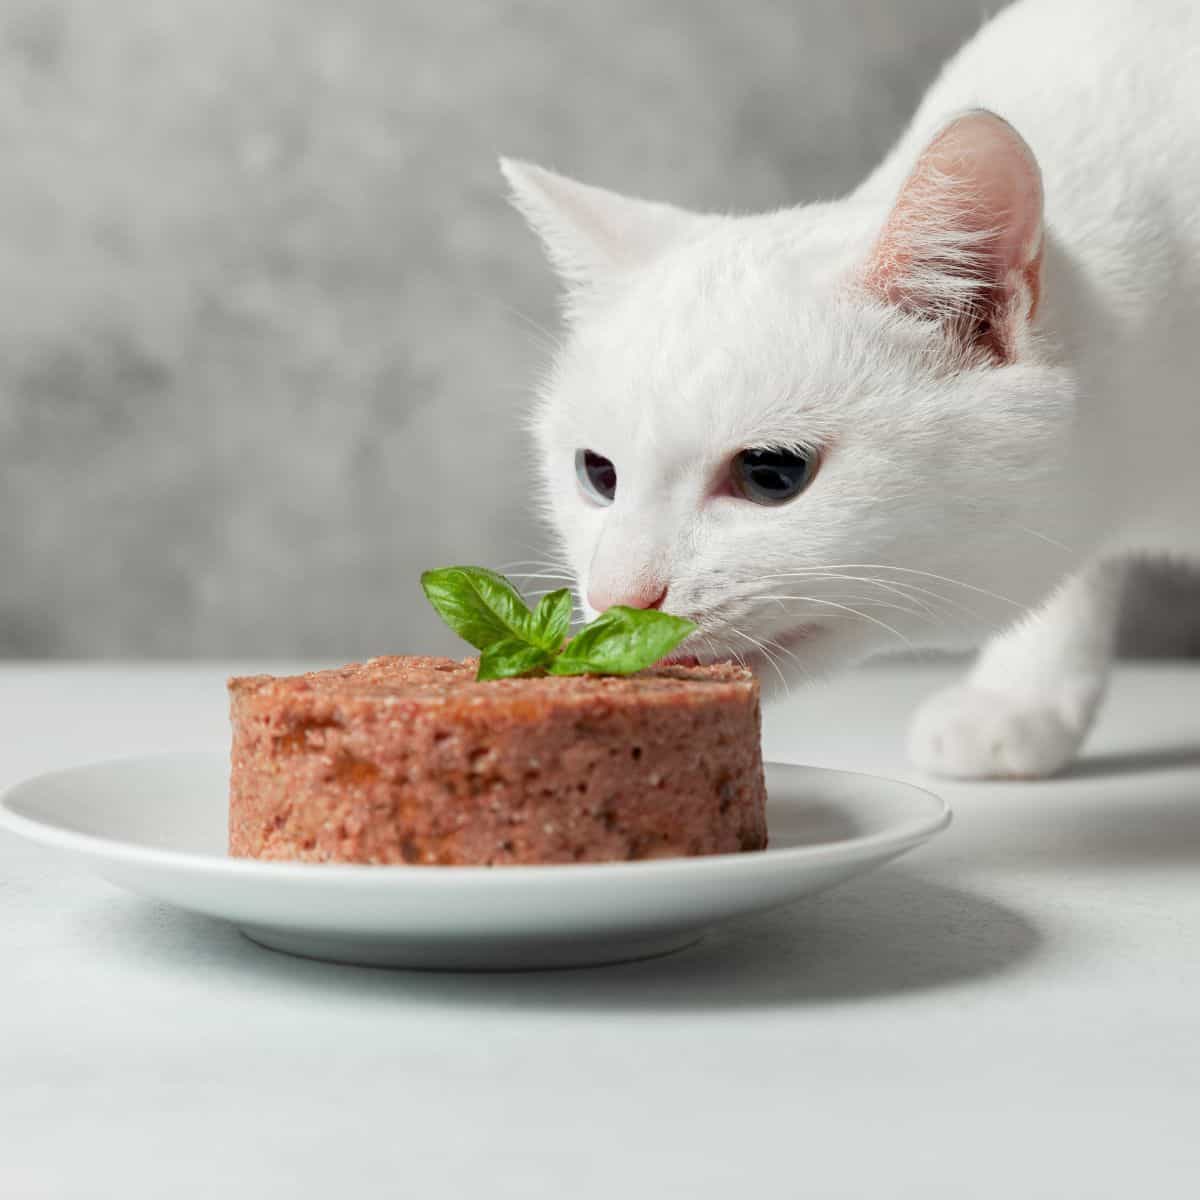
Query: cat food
pixel 411 760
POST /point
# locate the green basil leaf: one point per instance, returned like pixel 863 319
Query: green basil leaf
pixel 511 656
pixel 481 606
pixel 621 641
pixel 551 620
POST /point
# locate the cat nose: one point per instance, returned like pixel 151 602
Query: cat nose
pixel 651 594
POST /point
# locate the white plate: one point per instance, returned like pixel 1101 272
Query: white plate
pixel 157 826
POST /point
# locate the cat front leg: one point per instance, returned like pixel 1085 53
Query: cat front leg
pixel 1026 705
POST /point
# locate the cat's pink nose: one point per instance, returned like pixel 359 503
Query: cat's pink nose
pixel 649 595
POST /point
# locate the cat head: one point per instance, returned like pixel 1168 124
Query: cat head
pixel 813 432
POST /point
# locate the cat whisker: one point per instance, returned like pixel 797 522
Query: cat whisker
pixel 914 592
pixel 903 593
pixel 538 593
pixel 535 575
pixel 948 609
pixel 870 601
pixel 540 564
pixel 766 654
pixel 902 589
pixel 792 655
pixel 915 606
pixel 1045 537
pixel 913 571
pixel 547 339
pixel 542 549
pixel 855 612
pixel 917 594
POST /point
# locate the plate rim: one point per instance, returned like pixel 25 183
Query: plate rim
pixel 95 846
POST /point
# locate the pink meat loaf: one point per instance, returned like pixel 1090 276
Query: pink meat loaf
pixel 410 760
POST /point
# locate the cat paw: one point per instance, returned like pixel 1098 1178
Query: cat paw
pixel 971 733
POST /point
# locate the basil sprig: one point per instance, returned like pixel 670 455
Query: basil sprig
pixel 483 608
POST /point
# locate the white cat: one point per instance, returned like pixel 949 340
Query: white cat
pixel 935 410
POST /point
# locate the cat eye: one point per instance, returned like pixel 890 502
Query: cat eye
pixel 597 476
pixel 772 476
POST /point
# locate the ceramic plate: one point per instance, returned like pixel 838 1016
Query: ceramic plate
pixel 157 826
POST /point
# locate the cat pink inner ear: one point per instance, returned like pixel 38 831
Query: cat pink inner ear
pixel 964 239
pixel 591 235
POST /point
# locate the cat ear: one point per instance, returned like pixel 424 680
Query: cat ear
pixel 592 236
pixel 963 242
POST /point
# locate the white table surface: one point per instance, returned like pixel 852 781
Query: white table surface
pixel 1012 1011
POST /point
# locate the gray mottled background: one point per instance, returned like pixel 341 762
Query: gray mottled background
pixel 269 326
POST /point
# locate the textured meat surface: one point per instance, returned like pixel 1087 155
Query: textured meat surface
pixel 410 760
